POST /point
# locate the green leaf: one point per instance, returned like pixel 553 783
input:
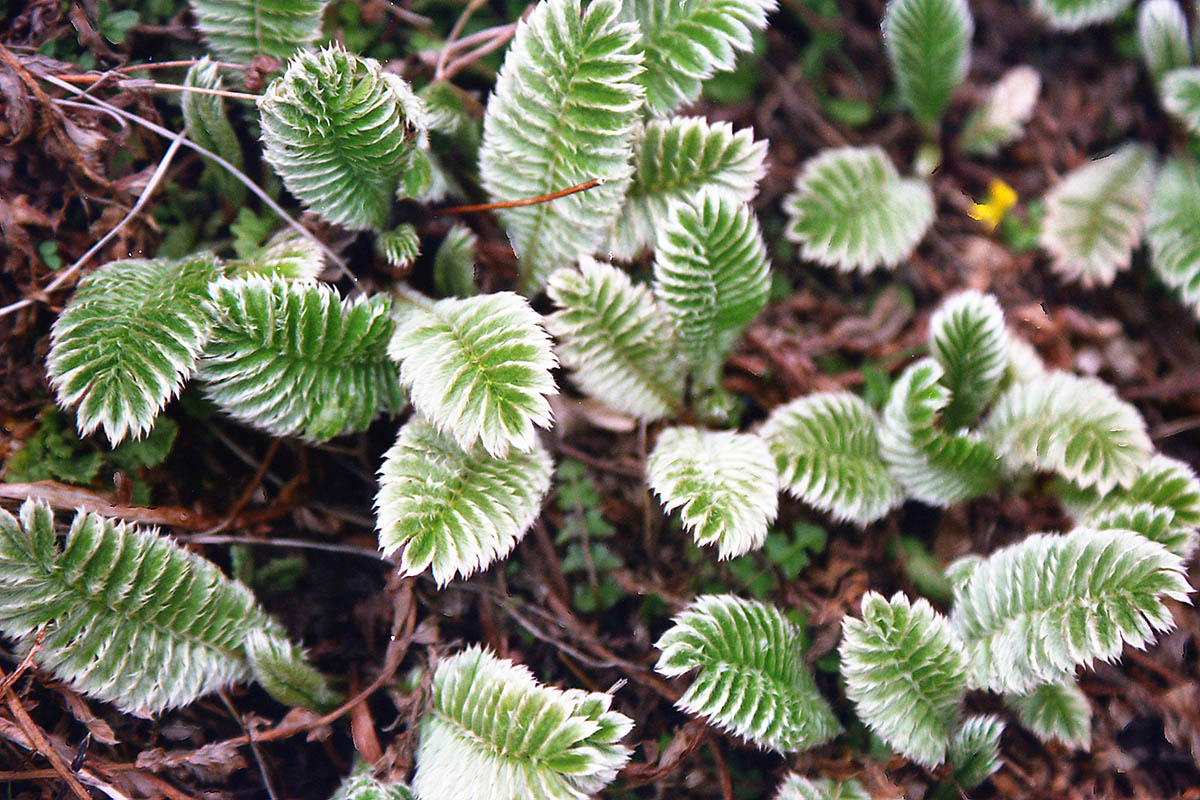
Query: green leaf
pixel 1000 119
pixel 1173 229
pixel 478 369
pixel 495 733
pixel 723 484
pixel 361 784
pixel 711 276
pixel 400 246
pixel 826 448
pixel 238 30
pixel 974 750
pixel 563 112
pixel 753 681
pixel 130 618
pixel 281 668
pixel 674 159
pixel 1056 712
pixel 454 263
pixel 453 509
pixel 617 342
pixel 906 674
pixel 1180 90
pixel 967 337
pixel 852 210
pixel 341 133
pixel 935 467
pixel 1094 217
pixel 688 41
pixel 293 359
pixel 1032 612
pixel 128 339
pixel 929 45
pixel 1076 427
pixel 1163 37
pixel 53 452
pixel 288 254
pixel 795 787
pixel 1070 15
pixel 207 124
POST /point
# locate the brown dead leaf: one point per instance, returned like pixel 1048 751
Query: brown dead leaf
pixel 100 730
pixel 210 763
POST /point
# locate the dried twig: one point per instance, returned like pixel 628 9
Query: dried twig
pixel 528 201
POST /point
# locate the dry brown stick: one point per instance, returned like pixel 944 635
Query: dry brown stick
pixel 722 769
pixel 26 662
pixel 38 739
pixel 528 201
pixel 66 498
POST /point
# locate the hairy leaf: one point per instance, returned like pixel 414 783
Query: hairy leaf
pixel 1076 427
pixel 341 133
pixel 1173 229
pixel 1180 90
pixel 1070 15
pixel 974 750
pixel 723 484
pixel 453 509
pixel 1056 712
pixel 400 246
pixel 564 112
pixel 361 784
pixel 1163 37
pixel 967 337
pixel 281 668
pixel 478 369
pixel 688 41
pixel 1002 115
pixel 795 787
pixel 615 339
pixel 130 618
pixel 1032 612
pixel 675 158
pixel 826 449
pixel 752 678
pixel 293 359
pixel 935 467
pixel 905 673
pixel 238 30
pixel 207 124
pixel 495 733
pixel 1095 216
pixel 929 45
pixel 852 210
pixel 287 254
pixel 1156 523
pixel 128 339
pixel 711 276
pixel 454 263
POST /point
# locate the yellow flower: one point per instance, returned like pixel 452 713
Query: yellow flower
pixel 1000 200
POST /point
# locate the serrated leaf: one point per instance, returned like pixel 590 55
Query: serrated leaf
pixel 974 750
pixel 238 30
pixel 1154 522
pixel 454 263
pixel 795 787
pixel 1163 37
pixel 1000 118
pixel 688 41
pixel 281 668
pixel 207 124
pixel 711 276
pixel 723 484
pixel 495 733
pixel 935 467
pixel 293 359
pixel 826 449
pixel 341 133
pixel 852 210
pixel 563 112
pixel 1055 712
pixel 906 674
pixel 478 369
pixel 1070 15
pixel 1076 427
pixel 929 45
pixel 752 678
pixel 1173 229
pixel 1030 613
pixel 1094 217
pixel 288 254
pixel 128 339
pixel 675 158
pixel 967 337
pixel 1180 90
pixel 453 509
pixel 617 342
pixel 361 784
pixel 130 618
pixel 400 246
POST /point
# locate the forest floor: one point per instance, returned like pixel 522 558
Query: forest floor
pixel 264 507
